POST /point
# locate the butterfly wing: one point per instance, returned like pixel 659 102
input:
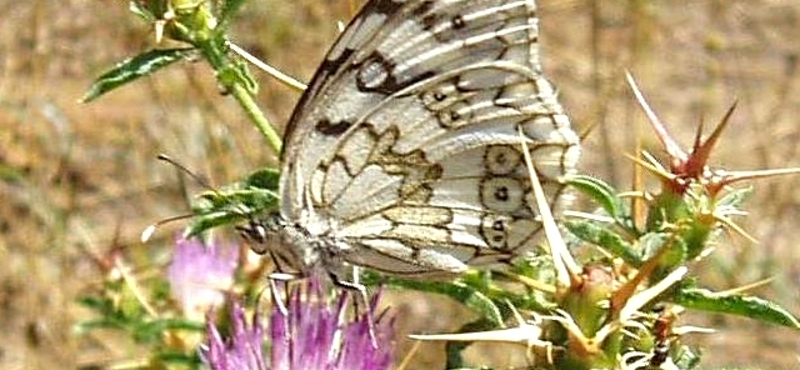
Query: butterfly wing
pixel 405 148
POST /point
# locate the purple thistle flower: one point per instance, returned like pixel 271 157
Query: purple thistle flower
pixel 361 352
pixel 199 275
pixel 243 350
pixel 308 333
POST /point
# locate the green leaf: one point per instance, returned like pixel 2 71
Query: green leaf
pixel 90 325
pixel 147 10
pixel 603 237
pixel 153 331
pixel 686 357
pixel 180 359
pixel 230 207
pixel 11 174
pixel 265 178
pixel 229 9
pixel 255 196
pixel 735 197
pixel 141 65
pixel 735 304
pixel 237 73
pixel 96 303
pixel 208 221
pixel 601 193
pixel 466 294
pixel 672 250
pixel 536 267
pixel 652 243
pixel 455 349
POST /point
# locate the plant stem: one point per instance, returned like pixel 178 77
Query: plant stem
pixel 261 122
pixel 219 61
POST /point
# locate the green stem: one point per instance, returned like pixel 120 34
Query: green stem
pixel 261 122
pixel 219 62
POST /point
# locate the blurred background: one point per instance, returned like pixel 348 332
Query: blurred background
pixel 79 182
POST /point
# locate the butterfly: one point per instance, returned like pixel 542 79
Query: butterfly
pixel 403 155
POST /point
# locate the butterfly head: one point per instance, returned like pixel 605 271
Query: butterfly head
pixel 291 248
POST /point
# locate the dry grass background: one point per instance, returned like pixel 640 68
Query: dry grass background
pixel 78 182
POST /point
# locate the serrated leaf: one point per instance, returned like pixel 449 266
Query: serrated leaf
pixel 129 70
pixel 736 304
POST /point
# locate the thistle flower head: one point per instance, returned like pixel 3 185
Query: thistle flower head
pixel 690 167
pixel 311 333
pixel 200 274
pixel 308 332
pixel 243 350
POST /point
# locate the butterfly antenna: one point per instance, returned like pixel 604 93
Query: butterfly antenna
pixel 187 171
pixel 151 229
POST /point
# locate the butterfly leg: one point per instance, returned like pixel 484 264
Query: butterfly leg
pixel 360 292
pixel 284 278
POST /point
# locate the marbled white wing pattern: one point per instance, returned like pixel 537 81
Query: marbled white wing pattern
pixel 404 154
